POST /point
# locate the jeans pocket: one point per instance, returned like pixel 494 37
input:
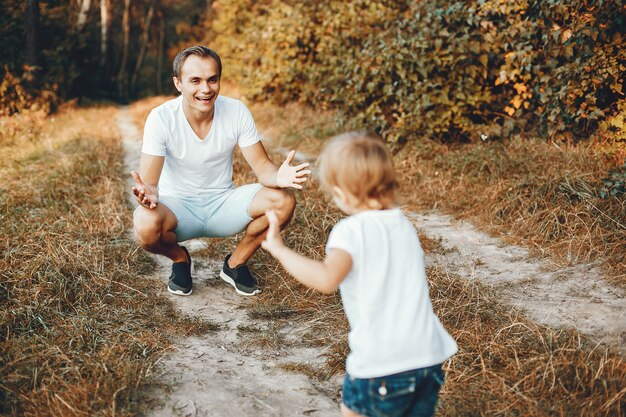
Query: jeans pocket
pixel 392 396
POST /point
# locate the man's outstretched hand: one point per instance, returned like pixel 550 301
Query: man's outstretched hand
pixel 147 195
pixel 292 176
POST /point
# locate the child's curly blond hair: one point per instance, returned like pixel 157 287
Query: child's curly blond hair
pixel 360 163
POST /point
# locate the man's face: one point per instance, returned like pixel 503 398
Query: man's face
pixel 199 83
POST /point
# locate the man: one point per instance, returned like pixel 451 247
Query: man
pixel 184 186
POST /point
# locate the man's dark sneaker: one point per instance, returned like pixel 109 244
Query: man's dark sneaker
pixel 240 278
pixel 181 282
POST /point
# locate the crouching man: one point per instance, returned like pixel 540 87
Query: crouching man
pixel 184 185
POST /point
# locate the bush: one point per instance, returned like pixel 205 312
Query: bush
pixel 15 97
pixel 453 70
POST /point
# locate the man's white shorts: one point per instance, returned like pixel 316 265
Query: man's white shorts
pixel 218 214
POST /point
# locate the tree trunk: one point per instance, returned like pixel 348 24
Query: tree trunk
pixel 32 33
pixel 83 13
pixel 105 42
pixel 145 39
pixel 159 72
pixel 122 75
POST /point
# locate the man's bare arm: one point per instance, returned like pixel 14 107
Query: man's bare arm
pixel 269 174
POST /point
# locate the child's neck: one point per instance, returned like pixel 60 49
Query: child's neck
pixel 371 204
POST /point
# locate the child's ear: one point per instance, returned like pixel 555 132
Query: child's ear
pixel 339 194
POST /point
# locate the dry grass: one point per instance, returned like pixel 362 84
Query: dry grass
pixel 530 192
pixel 507 364
pixel 536 194
pixel 80 325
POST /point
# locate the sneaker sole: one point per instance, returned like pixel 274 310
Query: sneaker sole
pixel 181 292
pixel 230 281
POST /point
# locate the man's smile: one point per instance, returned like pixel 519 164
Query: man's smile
pixel 205 99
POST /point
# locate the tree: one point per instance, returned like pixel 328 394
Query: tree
pixel 105 41
pixel 161 52
pixel 145 39
pixel 122 75
pixel 32 33
pixel 83 13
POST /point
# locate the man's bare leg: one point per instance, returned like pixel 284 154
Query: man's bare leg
pixel 154 230
pixel 282 202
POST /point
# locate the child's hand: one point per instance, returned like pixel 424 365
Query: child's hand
pixel 273 240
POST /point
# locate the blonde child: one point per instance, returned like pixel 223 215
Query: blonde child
pixel 397 343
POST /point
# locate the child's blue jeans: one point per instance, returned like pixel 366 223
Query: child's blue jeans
pixel 412 393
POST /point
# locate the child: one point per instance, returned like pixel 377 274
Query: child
pixel 397 343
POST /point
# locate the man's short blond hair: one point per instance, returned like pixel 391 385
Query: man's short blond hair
pixel 360 163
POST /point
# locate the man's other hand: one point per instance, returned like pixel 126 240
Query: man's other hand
pixel 292 176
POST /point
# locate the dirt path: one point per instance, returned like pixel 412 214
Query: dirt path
pixel 574 297
pixel 219 375
pixel 215 376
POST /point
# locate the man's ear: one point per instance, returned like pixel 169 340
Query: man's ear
pixel 177 84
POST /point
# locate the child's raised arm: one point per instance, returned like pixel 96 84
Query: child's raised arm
pixel 321 276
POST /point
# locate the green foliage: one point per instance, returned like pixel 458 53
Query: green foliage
pixel 450 69
pixel 614 185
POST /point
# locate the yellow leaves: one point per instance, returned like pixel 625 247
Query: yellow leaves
pixel 618 121
pixel 487 25
pixel 560 34
pixel 484 59
pixel 520 88
pixel 502 78
pixel 517 102
pixel 565 35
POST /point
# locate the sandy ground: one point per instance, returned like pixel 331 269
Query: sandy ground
pixel 575 296
pixel 218 375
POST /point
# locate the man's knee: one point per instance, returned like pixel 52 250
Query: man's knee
pixel 284 202
pixel 147 228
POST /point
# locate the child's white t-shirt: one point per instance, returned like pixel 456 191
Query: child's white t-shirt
pixel 195 166
pixel 385 295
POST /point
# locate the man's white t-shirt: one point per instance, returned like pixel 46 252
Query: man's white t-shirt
pixel 385 295
pixel 195 166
